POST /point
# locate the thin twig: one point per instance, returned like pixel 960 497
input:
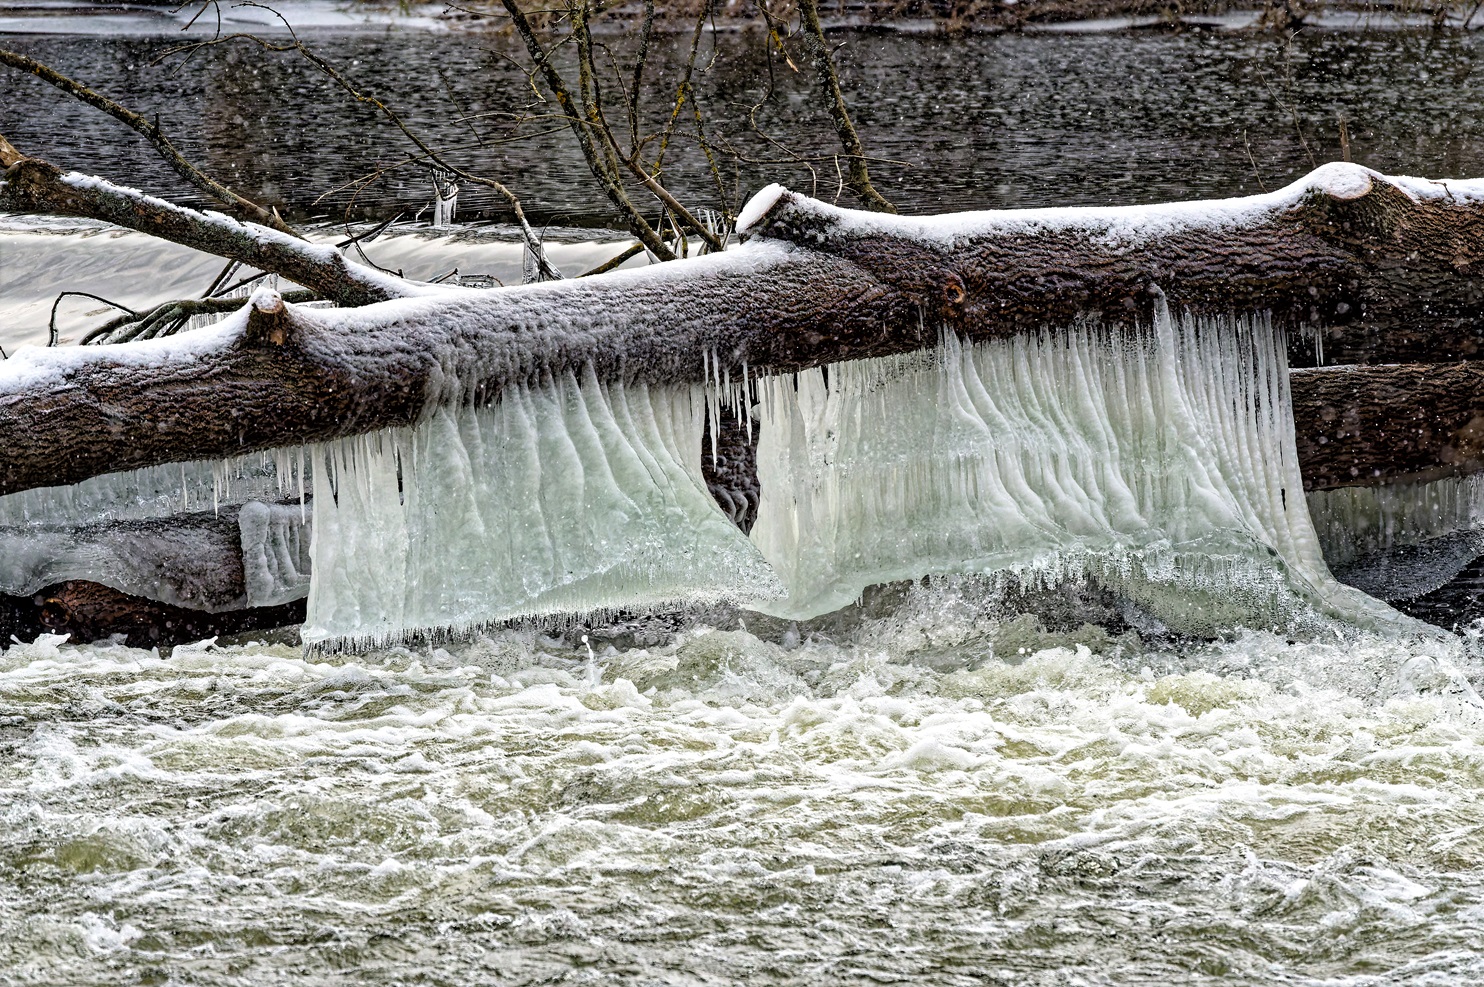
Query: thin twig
pixel 615 261
pixel 51 339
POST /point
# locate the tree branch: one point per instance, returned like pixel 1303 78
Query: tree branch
pixel 1344 251
pixel 150 130
pixel 859 180
pixel 36 186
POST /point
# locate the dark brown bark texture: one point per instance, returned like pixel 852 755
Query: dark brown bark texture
pixel 1358 426
pixel 1384 274
pixel 1381 276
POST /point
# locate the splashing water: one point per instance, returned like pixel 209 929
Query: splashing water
pixel 940 795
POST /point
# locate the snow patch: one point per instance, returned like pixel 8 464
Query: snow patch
pixel 757 206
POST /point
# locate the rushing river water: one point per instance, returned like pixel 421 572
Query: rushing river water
pixel 939 797
pixel 973 122
pixel 941 791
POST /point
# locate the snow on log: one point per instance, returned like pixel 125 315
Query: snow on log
pixel 1384 268
pixel 1374 269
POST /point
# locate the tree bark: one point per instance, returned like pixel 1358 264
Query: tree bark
pixel 87 611
pixel 1363 426
pixel 1374 264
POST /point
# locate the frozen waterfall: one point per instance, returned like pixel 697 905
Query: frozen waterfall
pixel 1158 463
pixel 571 496
pixel 1162 465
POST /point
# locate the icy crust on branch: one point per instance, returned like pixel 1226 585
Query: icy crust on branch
pixel 473 337
pixel 204 535
pixel 567 497
pixel 1160 464
pixel 1122 224
pixel 161 491
pixel 1401 541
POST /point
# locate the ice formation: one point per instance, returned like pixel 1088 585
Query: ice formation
pixel 275 553
pixel 568 496
pixel 161 491
pixel 169 533
pixel 1401 541
pixel 445 197
pixel 1163 464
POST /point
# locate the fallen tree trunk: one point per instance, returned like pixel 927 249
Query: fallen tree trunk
pixel 1362 426
pixel 1371 261
pixel 1378 268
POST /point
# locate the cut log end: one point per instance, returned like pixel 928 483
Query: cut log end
pixel 269 321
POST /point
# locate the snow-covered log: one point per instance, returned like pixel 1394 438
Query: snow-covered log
pixel 1365 268
pixel 1382 268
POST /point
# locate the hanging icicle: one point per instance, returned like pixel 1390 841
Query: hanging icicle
pixel 569 497
pixel 1161 464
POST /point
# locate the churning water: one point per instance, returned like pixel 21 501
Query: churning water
pixel 941 791
pixel 938 794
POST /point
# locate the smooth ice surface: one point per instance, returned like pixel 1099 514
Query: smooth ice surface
pixel 565 497
pixel 1162 464
pixel 1403 540
pixel 275 553
pixel 170 533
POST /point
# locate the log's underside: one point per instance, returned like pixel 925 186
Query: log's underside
pixel 87 611
pixel 1366 271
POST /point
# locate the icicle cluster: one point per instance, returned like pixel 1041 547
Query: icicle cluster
pixel 123 530
pixel 1162 464
pixel 1400 541
pixel 1357 521
pixel 572 496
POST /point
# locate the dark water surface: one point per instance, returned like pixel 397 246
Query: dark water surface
pixel 960 123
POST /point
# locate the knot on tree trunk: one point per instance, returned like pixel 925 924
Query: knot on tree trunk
pixel 269 321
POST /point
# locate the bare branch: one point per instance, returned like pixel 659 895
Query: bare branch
pixel 859 177
pixel 37 186
pixel 151 132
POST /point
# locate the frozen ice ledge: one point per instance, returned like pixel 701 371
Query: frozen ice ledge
pixel 1159 463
